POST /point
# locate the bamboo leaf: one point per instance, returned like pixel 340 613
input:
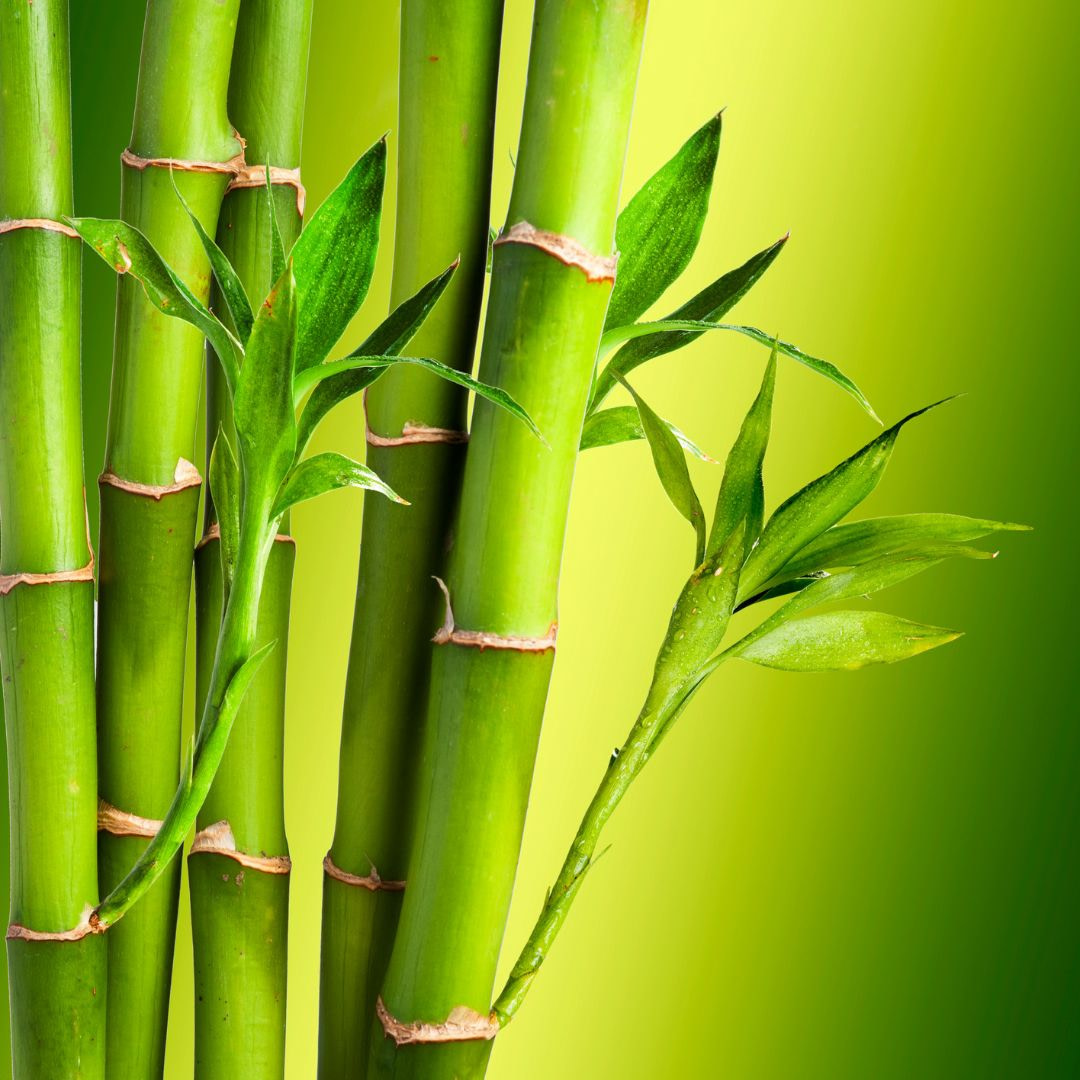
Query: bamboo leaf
pixel 127 251
pixel 742 493
pixel 232 288
pixel 225 491
pixel 844 641
pixel 819 506
pixel 334 257
pixel 328 393
pixel 263 407
pixel 623 424
pixel 659 229
pixel 665 327
pixel 671 467
pixel 709 305
pixel 328 472
pixel 277 245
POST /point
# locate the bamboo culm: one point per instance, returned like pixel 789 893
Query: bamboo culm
pixel 449 68
pixel 552 273
pixel 57 985
pixel 240 900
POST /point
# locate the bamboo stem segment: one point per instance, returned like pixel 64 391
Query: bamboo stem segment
pixel 56 964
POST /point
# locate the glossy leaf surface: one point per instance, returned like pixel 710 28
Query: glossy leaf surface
pixel 328 472
pixel 623 424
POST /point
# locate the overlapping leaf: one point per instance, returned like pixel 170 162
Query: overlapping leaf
pixel 225 491
pixel 328 472
pixel 623 424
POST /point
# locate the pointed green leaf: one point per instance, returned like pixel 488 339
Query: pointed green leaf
pixel 328 393
pixel 844 641
pixel 334 257
pixel 225 491
pixel 127 251
pixel 742 492
pixel 263 407
pixel 623 424
pixel 659 229
pixel 819 506
pixel 232 288
pixel 710 305
pixel 328 472
pixel 277 245
pixel 670 464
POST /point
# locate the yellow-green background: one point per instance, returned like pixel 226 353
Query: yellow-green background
pixel 868 875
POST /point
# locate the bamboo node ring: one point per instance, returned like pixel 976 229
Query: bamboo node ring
pixel 462 1025
pixel 413 432
pixel 254 176
pixel 228 168
pixel 121 823
pixel 13 224
pixel 566 249
pixel 372 882
pixel 185 476
pixel 88 924
pixel 449 634
pixel 218 839
pixel 214 533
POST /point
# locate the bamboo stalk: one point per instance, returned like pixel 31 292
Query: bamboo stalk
pixel 57 986
pixel 150 490
pixel 449 69
pixel 240 909
pixel 552 275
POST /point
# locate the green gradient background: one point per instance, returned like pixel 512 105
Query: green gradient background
pixel 869 875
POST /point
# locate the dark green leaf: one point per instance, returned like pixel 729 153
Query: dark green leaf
pixel 277 245
pixel 710 305
pixel 334 257
pixel 127 251
pixel 328 472
pixel 671 467
pixel 844 641
pixel 658 231
pixel 623 424
pixel 232 288
pixel 225 491
pixel 742 492
pixel 263 407
pixel 327 394
pixel 819 506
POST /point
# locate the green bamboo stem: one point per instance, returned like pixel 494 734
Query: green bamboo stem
pixel 240 909
pixel 552 274
pixel 449 68
pixel 150 491
pixel 57 987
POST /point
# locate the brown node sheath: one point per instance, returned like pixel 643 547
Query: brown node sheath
pixel 48 225
pixel 462 1025
pixel 218 839
pixel 88 924
pixel 449 634
pixel 254 176
pixel 372 882
pixel 214 533
pixel 184 476
pixel 55 577
pixel 566 249
pixel 230 168
pixel 121 823
pixel 412 433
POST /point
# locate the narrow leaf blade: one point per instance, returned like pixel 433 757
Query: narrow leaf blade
pixel 623 424
pixel 328 472
pixel 225 491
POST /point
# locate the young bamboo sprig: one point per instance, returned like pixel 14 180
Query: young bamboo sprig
pixel 800 547
pixel 240 895
pixel 449 67
pixel 56 970
pixel 181 139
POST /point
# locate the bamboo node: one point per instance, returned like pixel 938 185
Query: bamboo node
pixel 412 433
pixel 229 168
pixel 254 176
pixel 121 823
pixel 566 249
pixel 185 476
pixel 214 533
pixel 218 839
pixel 56 577
pixel 462 1025
pixel 372 882
pixel 13 224
pixel 449 634
pixel 88 924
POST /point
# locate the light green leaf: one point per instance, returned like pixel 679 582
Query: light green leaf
pixel 232 288
pixel 328 472
pixel 671 467
pixel 225 491
pixel 263 407
pixel 844 641
pixel 127 251
pixel 659 229
pixel 623 424
pixel 710 305
pixel 277 245
pixel 334 257
pixel 742 493
pixel 819 506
